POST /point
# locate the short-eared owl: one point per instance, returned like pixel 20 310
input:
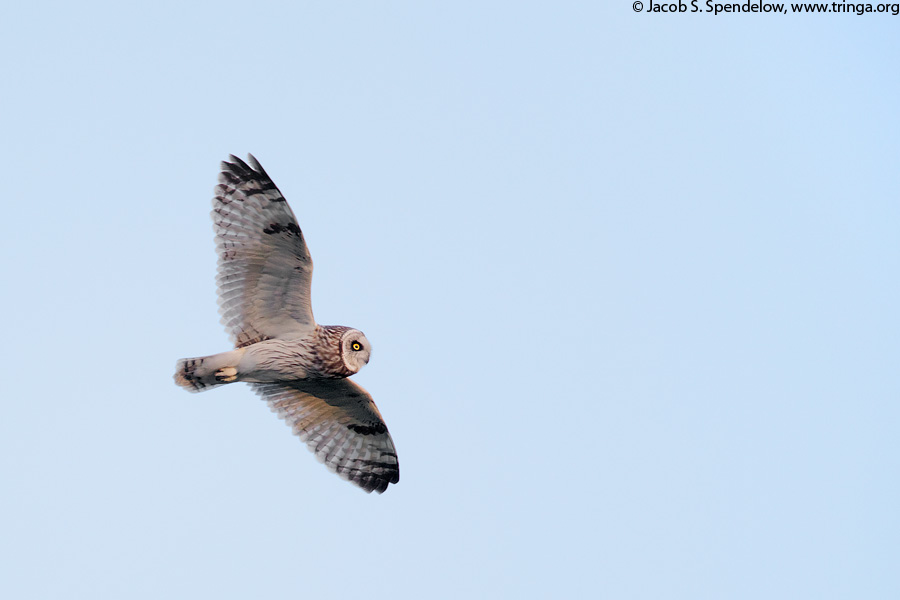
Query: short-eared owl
pixel 300 368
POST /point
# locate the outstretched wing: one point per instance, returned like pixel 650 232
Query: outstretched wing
pixel 341 424
pixel 264 266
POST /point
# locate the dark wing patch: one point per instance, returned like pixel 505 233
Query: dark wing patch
pixel 290 229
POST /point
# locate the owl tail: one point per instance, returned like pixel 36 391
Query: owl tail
pixel 206 372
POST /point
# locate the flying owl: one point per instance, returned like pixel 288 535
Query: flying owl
pixel 299 367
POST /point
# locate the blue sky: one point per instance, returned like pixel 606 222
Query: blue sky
pixel 630 280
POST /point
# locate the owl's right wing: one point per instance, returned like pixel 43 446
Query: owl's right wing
pixel 341 424
pixel 265 269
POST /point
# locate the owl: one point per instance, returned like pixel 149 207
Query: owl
pixel 299 367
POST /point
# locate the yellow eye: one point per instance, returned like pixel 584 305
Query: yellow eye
pixel 356 346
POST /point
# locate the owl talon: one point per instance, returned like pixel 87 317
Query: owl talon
pixel 226 374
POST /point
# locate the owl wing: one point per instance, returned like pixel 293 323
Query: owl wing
pixel 341 424
pixel 265 269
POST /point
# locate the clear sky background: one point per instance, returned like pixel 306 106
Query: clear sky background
pixel 631 282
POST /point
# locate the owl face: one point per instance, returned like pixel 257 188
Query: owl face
pixel 355 350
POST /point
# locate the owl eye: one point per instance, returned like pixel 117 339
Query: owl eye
pixel 356 346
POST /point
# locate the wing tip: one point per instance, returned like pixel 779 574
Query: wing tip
pixel 236 165
pixel 234 170
pixel 255 163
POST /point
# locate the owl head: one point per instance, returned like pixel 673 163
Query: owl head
pixel 355 350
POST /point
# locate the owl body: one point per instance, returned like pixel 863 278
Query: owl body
pixel 327 351
pixel 299 367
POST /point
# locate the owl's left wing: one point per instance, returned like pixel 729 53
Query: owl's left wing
pixel 265 269
pixel 341 424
